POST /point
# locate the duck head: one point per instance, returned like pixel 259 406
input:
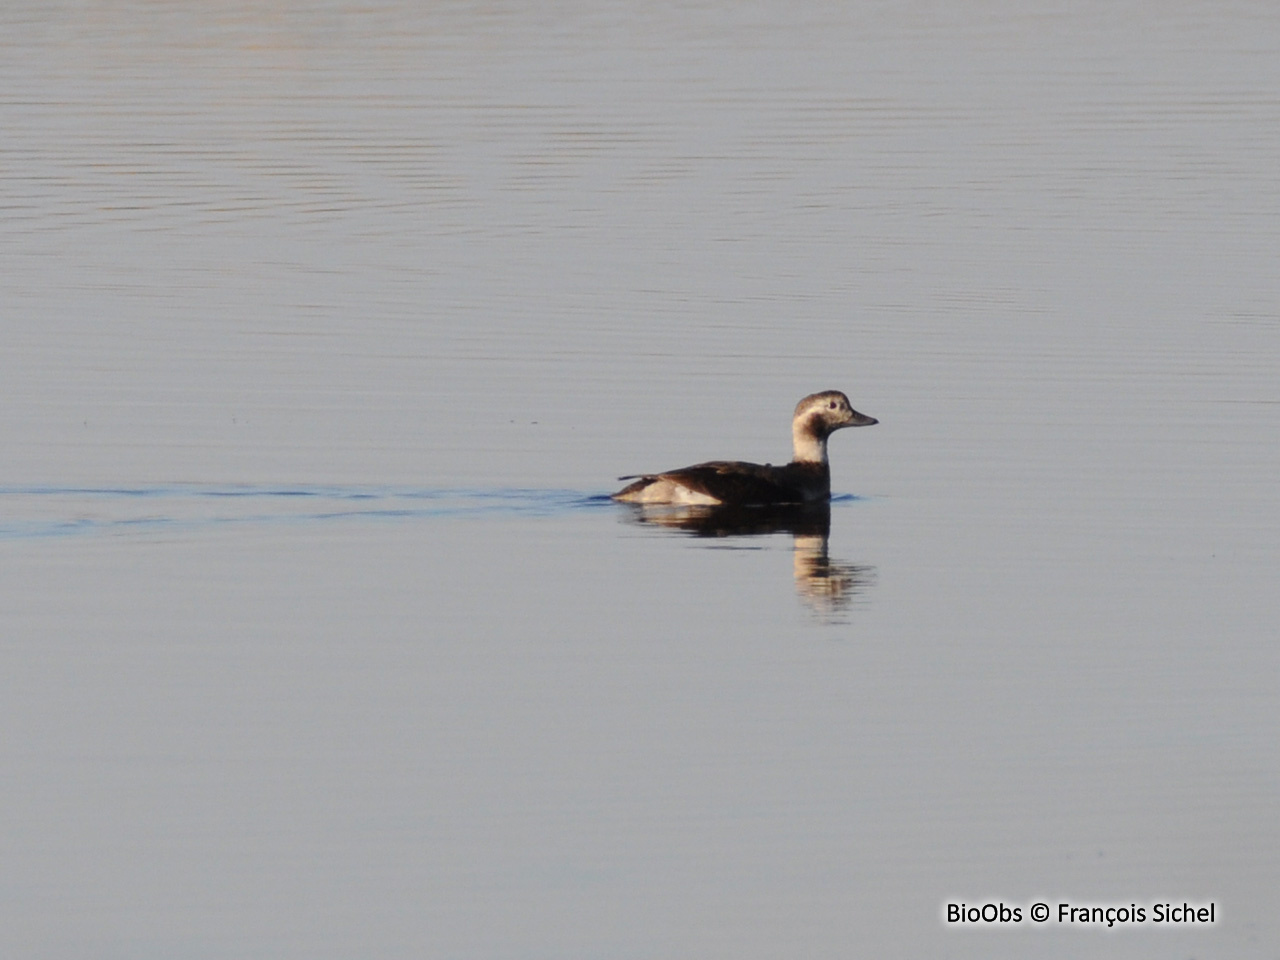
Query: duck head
pixel 818 416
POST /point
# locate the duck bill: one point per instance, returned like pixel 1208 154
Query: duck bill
pixel 857 419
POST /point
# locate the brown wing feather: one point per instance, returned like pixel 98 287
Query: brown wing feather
pixel 730 482
pixel 744 484
pixel 733 482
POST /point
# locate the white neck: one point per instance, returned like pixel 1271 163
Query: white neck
pixel 807 448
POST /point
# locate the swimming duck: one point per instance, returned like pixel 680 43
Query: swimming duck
pixel 806 479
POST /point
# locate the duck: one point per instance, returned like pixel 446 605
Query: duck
pixel 806 479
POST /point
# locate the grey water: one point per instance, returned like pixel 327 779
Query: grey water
pixel 327 328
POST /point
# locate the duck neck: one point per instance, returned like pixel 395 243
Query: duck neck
pixel 808 447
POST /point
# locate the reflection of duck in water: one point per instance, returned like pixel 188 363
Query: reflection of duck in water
pixel 827 585
pixel 806 479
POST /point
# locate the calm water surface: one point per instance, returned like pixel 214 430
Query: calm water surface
pixel 326 327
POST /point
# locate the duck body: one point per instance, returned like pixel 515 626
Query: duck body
pixel 806 479
pixel 732 482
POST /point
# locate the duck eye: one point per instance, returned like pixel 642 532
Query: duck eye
pixel 831 405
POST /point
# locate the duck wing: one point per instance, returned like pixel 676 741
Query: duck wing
pixel 722 481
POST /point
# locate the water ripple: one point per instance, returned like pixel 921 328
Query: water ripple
pixel 42 511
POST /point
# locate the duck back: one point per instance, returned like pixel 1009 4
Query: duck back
pixel 722 481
